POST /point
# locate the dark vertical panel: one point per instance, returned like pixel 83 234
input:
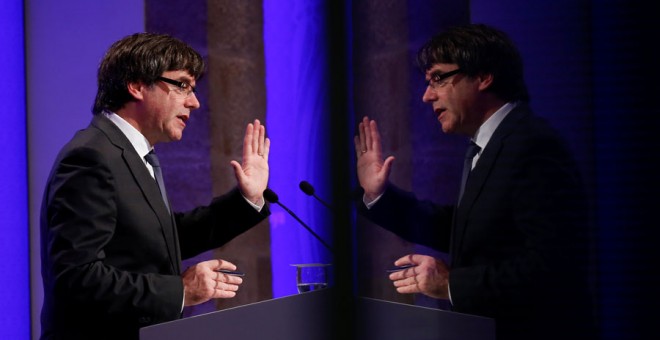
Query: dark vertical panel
pixel 626 125
pixel 591 70
pixel 339 78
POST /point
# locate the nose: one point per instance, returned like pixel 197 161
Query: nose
pixel 192 102
pixel 429 95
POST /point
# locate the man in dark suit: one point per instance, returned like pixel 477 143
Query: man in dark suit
pixel 517 236
pixel 111 248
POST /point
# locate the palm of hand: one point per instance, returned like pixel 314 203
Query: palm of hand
pixel 371 172
pixel 255 179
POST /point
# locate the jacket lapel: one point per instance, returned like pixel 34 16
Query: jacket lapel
pixel 147 185
pixel 480 174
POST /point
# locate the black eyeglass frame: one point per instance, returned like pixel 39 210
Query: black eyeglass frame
pixel 437 77
pixel 180 84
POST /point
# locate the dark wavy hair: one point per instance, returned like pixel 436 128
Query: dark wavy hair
pixel 479 49
pixel 141 57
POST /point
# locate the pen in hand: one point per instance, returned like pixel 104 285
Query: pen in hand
pixel 230 272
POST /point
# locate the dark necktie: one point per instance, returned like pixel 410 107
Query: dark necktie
pixel 155 163
pixel 472 151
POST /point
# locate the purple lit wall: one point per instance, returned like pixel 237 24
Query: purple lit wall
pixel 15 293
pixel 65 41
pixel 298 123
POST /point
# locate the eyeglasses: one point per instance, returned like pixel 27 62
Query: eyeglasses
pixel 181 86
pixel 438 79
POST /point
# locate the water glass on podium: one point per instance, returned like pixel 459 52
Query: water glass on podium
pixel 311 276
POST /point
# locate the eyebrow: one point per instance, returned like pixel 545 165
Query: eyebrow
pixel 434 73
pixel 437 73
pixel 443 75
pixel 186 79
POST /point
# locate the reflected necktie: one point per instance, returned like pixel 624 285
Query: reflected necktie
pixel 472 150
pixel 152 159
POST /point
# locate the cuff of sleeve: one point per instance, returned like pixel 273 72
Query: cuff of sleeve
pixel 370 204
pixel 449 292
pixel 258 206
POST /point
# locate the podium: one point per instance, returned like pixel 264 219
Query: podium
pixel 309 316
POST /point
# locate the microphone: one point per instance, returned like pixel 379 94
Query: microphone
pixel 309 190
pixel 271 197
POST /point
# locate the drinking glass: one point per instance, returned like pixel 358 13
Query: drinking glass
pixel 311 276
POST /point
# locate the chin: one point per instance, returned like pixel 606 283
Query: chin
pixel 175 135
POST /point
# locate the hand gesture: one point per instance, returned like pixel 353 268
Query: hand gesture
pixel 252 174
pixel 372 171
pixel 202 282
pixel 428 276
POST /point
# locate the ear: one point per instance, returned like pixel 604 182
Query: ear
pixel 485 81
pixel 136 90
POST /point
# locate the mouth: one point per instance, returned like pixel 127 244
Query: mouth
pixel 183 118
pixel 438 112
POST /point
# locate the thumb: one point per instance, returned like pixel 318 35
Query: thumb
pixel 223 264
pixel 238 170
pixel 387 166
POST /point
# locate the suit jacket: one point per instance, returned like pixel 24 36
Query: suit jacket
pixel 111 251
pixel 518 239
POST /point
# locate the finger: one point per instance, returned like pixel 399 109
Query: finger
pixel 229 279
pixel 404 260
pixel 409 289
pixel 358 148
pixel 247 140
pixel 367 134
pixel 396 276
pixel 266 149
pixel 403 274
pixel 255 136
pixel 223 294
pixel 404 282
pixel 262 138
pixel 360 145
pixel 225 290
pixel 228 287
pixel 374 135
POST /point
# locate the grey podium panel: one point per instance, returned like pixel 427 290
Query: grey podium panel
pixel 309 316
pixel 384 320
pixel 302 316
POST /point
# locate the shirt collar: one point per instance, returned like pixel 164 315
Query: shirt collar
pixel 486 130
pixel 139 142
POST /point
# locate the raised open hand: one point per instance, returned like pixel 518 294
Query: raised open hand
pixel 252 174
pixel 372 171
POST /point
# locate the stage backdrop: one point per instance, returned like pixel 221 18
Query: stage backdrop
pixel 310 70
